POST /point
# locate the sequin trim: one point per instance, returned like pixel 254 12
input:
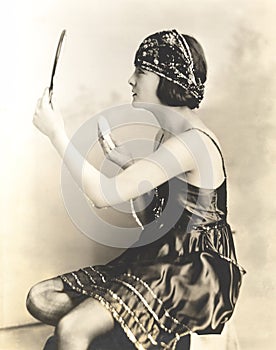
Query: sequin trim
pixel 242 270
pixel 145 303
pixel 77 279
pixel 166 312
pixel 98 273
pixel 89 276
pixel 152 69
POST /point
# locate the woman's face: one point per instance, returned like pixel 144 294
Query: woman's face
pixel 144 86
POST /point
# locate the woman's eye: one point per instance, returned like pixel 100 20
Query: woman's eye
pixel 140 71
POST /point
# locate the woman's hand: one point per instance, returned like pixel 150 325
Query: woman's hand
pixel 46 119
pixel 118 155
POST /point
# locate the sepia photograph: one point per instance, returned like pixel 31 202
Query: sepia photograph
pixel 138 143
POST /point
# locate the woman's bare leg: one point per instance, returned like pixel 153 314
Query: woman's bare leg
pixel 88 320
pixel 48 302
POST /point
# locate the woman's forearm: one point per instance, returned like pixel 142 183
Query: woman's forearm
pixel 50 122
pixel 60 141
pixel 88 178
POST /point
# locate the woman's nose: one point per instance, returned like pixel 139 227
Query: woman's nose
pixel 131 80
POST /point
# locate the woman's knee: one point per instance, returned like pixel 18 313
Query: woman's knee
pixel 41 296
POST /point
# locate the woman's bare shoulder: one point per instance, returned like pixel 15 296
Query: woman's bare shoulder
pixel 199 130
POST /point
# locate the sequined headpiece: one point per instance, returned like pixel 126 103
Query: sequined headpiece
pixel 167 54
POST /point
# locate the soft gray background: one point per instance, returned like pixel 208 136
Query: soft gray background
pixel 38 239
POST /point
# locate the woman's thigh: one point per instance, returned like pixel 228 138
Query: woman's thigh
pixel 49 302
pixel 89 320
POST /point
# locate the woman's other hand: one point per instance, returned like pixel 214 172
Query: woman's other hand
pixel 118 155
pixel 46 119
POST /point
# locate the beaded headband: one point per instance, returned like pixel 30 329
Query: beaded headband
pixel 167 54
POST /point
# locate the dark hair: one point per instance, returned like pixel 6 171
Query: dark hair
pixel 172 94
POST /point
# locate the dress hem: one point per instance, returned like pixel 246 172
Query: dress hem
pixel 138 345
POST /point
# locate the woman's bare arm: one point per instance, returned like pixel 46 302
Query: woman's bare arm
pixel 171 159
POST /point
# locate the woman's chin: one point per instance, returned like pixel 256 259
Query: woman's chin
pixel 136 103
pixel 139 104
pixel 149 106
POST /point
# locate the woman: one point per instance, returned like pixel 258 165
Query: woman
pixel 186 278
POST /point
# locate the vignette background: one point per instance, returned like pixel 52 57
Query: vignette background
pixel 38 240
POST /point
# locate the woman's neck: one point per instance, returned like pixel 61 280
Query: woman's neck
pixel 176 119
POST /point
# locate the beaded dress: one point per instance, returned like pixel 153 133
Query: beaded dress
pixel 186 280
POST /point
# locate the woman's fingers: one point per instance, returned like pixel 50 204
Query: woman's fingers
pixel 114 141
pixel 104 146
pixel 47 120
pixel 45 100
pixel 38 104
pixel 45 92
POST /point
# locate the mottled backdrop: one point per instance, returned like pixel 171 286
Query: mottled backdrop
pixel 38 240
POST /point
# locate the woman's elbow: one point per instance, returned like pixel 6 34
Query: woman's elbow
pixel 101 205
pixel 97 204
pixel 103 199
pixel 104 204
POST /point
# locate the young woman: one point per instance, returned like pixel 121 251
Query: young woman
pixel 186 278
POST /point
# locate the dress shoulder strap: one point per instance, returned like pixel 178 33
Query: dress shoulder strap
pixel 215 143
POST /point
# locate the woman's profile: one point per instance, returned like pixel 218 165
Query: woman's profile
pixel 186 279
